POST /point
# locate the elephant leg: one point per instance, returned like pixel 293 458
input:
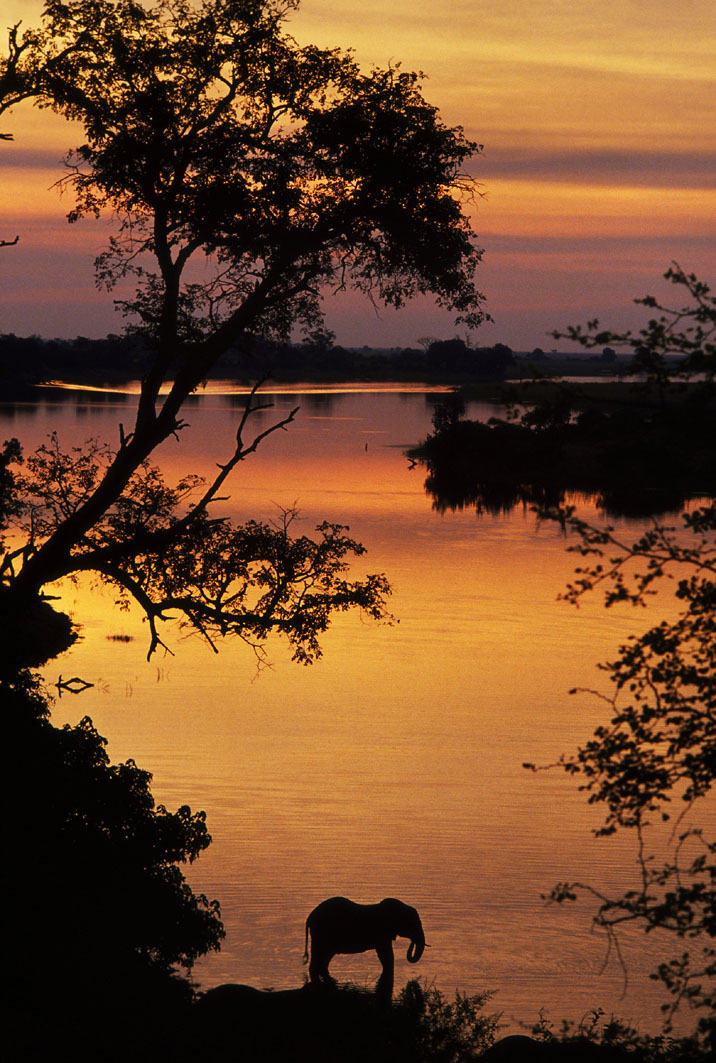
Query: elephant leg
pixel 384 985
pixel 318 967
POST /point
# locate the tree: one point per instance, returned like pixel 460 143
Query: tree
pixel 653 765
pixel 458 357
pixel 158 546
pixel 679 342
pixel 655 761
pixel 638 455
pixel 213 137
pixel 102 912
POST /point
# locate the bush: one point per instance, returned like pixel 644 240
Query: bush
pixel 101 915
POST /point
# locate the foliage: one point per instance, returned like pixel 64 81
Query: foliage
pixel 116 360
pixel 158 546
pixel 210 131
pixel 340 1024
pixel 637 454
pixel 655 761
pixel 449 1031
pixel 456 356
pixel 103 911
pixel 652 767
pixel 30 360
pixel 246 174
pixel 9 503
pixel 678 342
pixel 619 1041
pixel 448 413
pixel 96 824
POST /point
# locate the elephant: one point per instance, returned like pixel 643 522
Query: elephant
pixel 339 925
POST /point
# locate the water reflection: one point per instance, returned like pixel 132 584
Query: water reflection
pixel 494 466
pixel 493 498
pixel 393 766
pixel 450 494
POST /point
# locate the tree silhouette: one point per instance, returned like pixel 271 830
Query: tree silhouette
pixel 158 545
pixel 211 135
pixel 103 914
pixel 674 344
pixel 652 766
pixel 654 762
pixel 246 175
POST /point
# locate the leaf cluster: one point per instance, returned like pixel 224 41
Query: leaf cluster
pixel 102 915
pixel 677 342
pixel 114 854
pixel 246 174
pixel 11 454
pixel 157 545
pixel 655 760
pixel 632 460
pixel 617 1040
pixel 210 130
pixel 430 1028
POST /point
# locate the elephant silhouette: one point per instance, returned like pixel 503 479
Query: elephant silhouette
pixel 338 925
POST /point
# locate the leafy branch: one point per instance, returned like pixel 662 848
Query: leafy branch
pixel 159 546
pixel 677 342
pixel 654 762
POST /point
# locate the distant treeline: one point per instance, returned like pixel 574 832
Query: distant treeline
pixel 115 360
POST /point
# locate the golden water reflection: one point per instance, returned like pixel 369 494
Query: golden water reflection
pixel 393 767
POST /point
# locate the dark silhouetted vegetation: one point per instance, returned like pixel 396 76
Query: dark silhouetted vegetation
pixel 654 762
pixel 456 358
pixel 342 1024
pixel 652 766
pixel 158 546
pixel 100 915
pixel 211 135
pixel 347 1024
pixel 637 458
pixel 676 343
pixel 117 361
pixel 596 1038
pixel 642 449
pixel 27 362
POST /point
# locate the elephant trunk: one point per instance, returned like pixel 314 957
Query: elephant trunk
pixel 416 947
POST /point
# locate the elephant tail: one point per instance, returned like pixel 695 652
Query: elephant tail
pixel 305 951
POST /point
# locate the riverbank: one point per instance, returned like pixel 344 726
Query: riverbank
pixel 581 390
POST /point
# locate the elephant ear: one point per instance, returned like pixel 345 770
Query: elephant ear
pixel 388 910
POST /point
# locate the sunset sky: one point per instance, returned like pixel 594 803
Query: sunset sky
pixel 599 129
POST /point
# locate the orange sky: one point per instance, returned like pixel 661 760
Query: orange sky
pixel 599 126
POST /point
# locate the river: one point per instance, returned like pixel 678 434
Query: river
pixel 393 766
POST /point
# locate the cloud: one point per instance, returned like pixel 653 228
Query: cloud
pixel 598 165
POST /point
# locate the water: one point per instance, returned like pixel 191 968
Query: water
pixel 393 766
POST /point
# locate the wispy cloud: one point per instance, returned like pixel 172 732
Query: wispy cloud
pixel 609 166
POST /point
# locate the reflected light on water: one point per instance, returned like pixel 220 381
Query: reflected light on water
pixel 392 767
